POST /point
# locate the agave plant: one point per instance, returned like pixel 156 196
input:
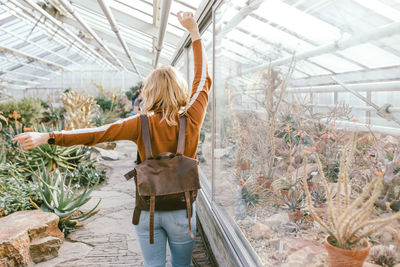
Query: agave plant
pixel 53 157
pixel 63 199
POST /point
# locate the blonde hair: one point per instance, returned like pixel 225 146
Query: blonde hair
pixel 165 91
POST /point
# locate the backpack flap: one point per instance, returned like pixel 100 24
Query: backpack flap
pixel 167 176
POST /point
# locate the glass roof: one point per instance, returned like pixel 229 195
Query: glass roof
pixel 63 34
pixel 44 37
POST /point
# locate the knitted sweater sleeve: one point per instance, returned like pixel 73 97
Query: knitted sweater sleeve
pixel 126 129
pixel 201 84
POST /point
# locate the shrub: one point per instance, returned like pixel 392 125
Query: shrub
pixel 27 111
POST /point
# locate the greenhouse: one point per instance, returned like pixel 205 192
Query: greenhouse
pixel 256 133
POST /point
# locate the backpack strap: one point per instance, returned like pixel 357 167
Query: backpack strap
pixel 181 138
pixel 152 208
pixel 189 212
pixel 146 136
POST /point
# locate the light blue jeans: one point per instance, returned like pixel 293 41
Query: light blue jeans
pixel 171 226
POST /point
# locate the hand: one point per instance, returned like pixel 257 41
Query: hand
pixel 186 19
pixel 31 140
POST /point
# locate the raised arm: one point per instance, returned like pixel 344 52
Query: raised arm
pixel 202 80
pixel 121 130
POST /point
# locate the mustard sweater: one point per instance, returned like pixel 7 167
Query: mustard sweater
pixel 164 138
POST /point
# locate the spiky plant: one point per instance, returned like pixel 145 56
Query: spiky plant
pixel 383 256
pixel 64 199
pixel 348 221
pixel 80 110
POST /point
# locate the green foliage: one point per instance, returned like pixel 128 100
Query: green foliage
pixel 132 90
pixel 106 117
pixel 331 171
pixel 54 116
pixel 294 200
pixel 15 192
pixel 87 174
pixel 29 109
pixel 64 199
pixel 104 103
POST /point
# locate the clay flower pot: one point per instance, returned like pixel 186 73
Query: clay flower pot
pixel 346 258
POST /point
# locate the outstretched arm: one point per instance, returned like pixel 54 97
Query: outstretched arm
pixel 202 80
pixel 126 129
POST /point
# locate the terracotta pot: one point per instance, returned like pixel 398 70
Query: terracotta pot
pixel 346 258
pixel 294 216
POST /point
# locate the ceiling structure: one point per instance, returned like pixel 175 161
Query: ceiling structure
pixel 356 41
pixel 40 38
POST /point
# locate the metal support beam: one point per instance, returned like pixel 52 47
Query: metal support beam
pixel 52 32
pixel 359 87
pixel 165 8
pixel 11 80
pixel 36 45
pixel 71 10
pixel 375 34
pixel 23 74
pixel 29 65
pixel 30 57
pixel 114 27
pixel 127 20
pixel 114 44
pixel 69 33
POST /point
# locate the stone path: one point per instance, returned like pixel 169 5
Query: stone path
pixel 108 238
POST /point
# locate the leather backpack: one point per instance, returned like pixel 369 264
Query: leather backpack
pixel 166 182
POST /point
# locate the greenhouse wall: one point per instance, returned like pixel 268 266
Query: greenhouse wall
pixel 254 136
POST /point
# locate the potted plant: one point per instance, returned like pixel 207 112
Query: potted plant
pixel 349 221
pixel 294 202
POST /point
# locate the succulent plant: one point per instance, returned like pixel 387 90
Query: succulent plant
pixel 80 110
pixel 63 199
pixel 383 256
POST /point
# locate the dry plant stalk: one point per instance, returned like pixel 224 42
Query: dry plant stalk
pixel 348 222
pixel 80 110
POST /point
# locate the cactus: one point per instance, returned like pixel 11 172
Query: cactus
pixel 348 222
pixel 80 110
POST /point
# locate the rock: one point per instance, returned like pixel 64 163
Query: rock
pixel 368 264
pixel 276 220
pixel 292 244
pixel 107 146
pixel 18 229
pixel 300 252
pixel 260 230
pixel 108 154
pixel 45 249
pixel 307 256
pixel 299 172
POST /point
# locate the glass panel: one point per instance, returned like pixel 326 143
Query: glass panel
pixel 266 127
pixel 205 143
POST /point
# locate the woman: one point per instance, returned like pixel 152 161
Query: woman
pixel 165 97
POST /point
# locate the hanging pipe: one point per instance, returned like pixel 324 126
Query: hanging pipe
pixel 165 8
pixel 110 17
pixel 71 10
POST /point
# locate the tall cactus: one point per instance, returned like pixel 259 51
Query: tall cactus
pixel 81 110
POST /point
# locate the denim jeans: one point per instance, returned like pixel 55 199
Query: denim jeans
pixel 171 226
